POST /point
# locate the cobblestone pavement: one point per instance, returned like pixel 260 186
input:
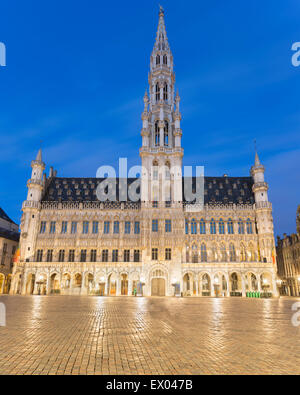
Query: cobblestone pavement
pixel 89 335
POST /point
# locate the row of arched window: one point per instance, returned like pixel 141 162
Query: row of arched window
pixel 157 134
pixel 165 92
pixel 161 60
pixel 221 254
pixel 212 227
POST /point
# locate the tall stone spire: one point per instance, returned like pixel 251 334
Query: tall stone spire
pixel 39 156
pixel 161 116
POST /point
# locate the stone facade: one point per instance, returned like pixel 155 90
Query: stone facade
pixel 288 259
pixel 161 244
pixel 9 240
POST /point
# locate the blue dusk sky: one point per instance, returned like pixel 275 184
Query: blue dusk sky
pixel 77 71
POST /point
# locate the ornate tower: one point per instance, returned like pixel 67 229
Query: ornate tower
pixel 263 210
pixel 161 150
pixel 298 220
pixel 31 208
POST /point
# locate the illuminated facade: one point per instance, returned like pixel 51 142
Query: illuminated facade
pixel 72 243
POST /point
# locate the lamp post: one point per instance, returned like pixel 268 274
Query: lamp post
pixel 40 282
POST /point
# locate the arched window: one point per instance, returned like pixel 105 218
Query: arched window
pixel 232 254
pixel 223 253
pixel 230 227
pixel 166 134
pixel 212 227
pixel 241 227
pixel 165 60
pixel 203 253
pixel 186 227
pixel 193 227
pixel 249 227
pixel 157 59
pixel 166 89
pixel 194 254
pixel 202 227
pixel 221 227
pixel 243 253
pixel 157 134
pixel 157 92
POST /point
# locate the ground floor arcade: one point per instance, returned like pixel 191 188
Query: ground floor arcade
pixel 147 280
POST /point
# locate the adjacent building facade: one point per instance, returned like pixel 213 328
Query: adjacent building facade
pixel 162 243
pixel 9 240
pixel 288 259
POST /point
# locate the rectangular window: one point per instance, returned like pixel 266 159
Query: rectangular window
pixel 49 255
pixel 168 254
pixel 116 227
pixel 64 227
pixel 137 228
pixel 154 254
pixel 136 255
pixel 168 226
pixel 85 228
pixel 52 227
pixel 71 255
pixel 126 255
pixel 39 256
pixel 95 227
pixel 83 256
pixel 43 227
pixel 61 256
pixel 115 255
pixel 106 227
pixel 74 228
pixel 154 225
pixel 127 228
pixel 93 255
pixel 105 256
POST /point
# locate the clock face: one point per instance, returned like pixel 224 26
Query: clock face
pixel 24 235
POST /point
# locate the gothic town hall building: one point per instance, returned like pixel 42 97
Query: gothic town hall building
pixel 74 244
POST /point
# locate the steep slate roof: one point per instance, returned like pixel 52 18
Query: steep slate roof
pixel 222 190
pixel 4 216
pixel 9 234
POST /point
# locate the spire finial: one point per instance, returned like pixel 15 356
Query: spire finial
pixel 257 161
pixel 161 10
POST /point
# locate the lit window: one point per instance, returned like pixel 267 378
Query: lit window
pixel 116 227
pixel 168 254
pixel 74 228
pixel 95 227
pixel 241 227
pixel 193 227
pixel 154 225
pixel 106 227
pixel 127 228
pixel 168 226
pixel 154 254
pixel 221 227
pixel 230 227
pixel 249 227
pixel 85 228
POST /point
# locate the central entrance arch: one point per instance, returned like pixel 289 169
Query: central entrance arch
pixel 158 283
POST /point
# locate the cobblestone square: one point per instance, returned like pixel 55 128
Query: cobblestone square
pixel 90 335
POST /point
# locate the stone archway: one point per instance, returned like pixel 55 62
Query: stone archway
pixel 188 285
pixel 2 282
pixel 124 284
pixel 54 284
pixel 112 284
pixel 30 283
pixel 158 283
